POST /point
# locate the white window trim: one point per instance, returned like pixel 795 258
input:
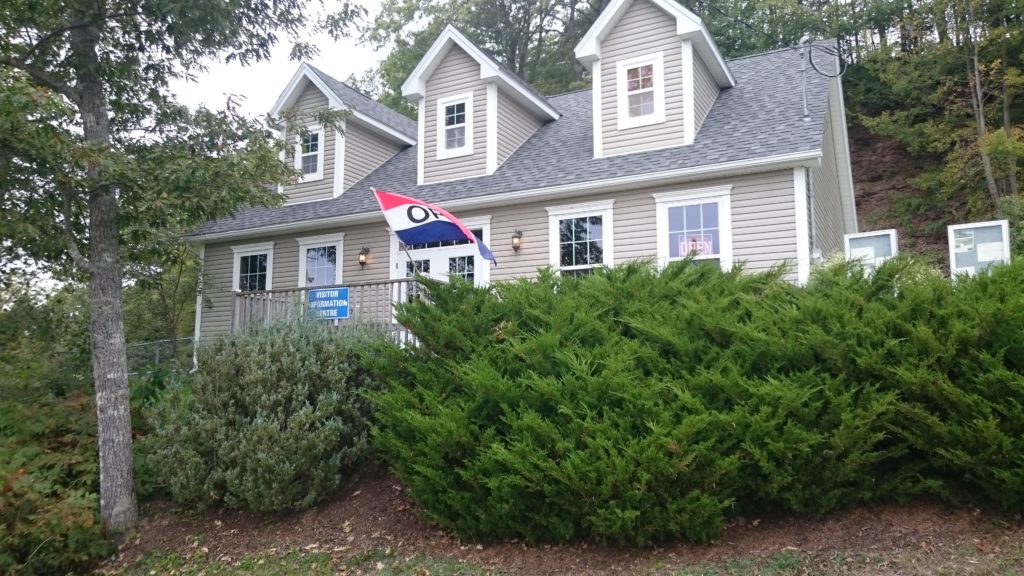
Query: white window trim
pixel 1004 226
pixel 466 150
pixel 319 174
pixel 601 208
pixel 890 232
pixel 252 250
pixel 720 194
pixel 624 121
pixel 327 240
pixel 482 268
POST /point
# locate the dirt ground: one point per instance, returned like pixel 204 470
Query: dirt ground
pixel 374 513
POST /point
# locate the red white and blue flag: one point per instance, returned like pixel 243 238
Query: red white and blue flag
pixel 418 222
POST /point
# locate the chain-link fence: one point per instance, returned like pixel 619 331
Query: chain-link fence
pixel 144 357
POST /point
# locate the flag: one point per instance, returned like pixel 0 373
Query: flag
pixel 418 222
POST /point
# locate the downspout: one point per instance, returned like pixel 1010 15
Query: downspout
pixel 201 253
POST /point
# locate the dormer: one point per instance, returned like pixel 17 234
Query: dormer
pixel 656 74
pixel 331 160
pixel 473 113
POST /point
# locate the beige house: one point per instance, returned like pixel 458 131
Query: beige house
pixel 674 151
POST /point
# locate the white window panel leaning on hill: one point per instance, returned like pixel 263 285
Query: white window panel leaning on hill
pixel 695 223
pixel 455 126
pixel 640 91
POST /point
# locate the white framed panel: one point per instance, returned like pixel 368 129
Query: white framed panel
pixel 871 248
pixel 977 246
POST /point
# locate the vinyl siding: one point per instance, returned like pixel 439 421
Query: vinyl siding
pixel 313 99
pixel 763 219
pixel 515 126
pixel 218 296
pixel 828 207
pixel 705 91
pixel 644 29
pixel 364 152
pixel 457 74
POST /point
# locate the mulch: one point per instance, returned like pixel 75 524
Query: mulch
pixel 374 513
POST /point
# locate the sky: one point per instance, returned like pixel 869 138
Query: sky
pixel 258 86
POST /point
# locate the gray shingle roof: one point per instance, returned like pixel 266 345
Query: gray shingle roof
pixel 368 106
pixel 761 116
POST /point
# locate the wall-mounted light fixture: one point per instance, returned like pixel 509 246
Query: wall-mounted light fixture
pixel 517 240
pixel 363 255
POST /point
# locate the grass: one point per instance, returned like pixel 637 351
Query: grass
pixel 297 562
pixel 951 562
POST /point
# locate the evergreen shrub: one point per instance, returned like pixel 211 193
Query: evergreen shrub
pixel 638 405
pixel 272 420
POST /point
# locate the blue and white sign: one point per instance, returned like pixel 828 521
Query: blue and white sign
pixel 329 303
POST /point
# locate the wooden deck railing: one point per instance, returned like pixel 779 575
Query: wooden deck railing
pixel 368 303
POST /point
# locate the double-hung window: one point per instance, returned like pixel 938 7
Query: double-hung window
pixel 580 237
pixel 641 91
pixel 695 224
pixel 320 260
pixel 309 153
pixel 253 267
pixel 455 126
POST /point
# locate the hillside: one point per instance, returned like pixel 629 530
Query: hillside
pixel 887 198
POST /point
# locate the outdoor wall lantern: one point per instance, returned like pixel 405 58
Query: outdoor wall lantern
pixel 517 240
pixel 363 255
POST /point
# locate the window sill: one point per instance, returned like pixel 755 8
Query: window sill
pixel 637 122
pixel 456 153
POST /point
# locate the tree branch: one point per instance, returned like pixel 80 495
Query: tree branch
pixel 69 237
pixel 42 78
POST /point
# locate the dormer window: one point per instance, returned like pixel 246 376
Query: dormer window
pixel 455 126
pixel 641 91
pixel 309 154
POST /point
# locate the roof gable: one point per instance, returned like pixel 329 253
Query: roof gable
pixel 340 96
pixel 688 26
pixel 414 87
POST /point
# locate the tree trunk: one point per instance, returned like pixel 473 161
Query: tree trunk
pixel 978 103
pixel 118 507
pixel 1007 120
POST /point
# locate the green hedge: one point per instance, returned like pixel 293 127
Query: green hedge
pixel 635 406
pixel 273 419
